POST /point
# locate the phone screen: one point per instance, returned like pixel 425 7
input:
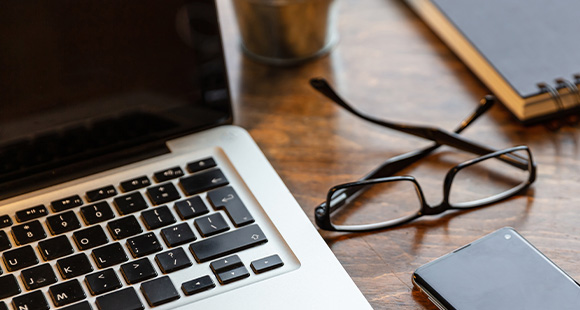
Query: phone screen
pixel 499 271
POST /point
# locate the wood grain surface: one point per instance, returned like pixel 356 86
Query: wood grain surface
pixel 390 64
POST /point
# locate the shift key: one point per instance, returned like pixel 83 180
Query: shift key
pixel 227 243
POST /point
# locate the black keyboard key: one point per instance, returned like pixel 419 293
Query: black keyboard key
pixel 109 255
pixel 101 193
pixel 163 193
pixel 191 207
pixel 97 213
pixel 28 232
pixel 233 275
pixel 159 291
pixel 211 225
pixel 64 222
pixel 203 181
pixel 125 299
pixel 4 241
pixel 66 293
pixel 30 301
pixel 31 213
pixel 172 260
pixel 226 198
pixel 103 282
pixel 138 271
pixel 5 221
pixel 177 235
pixel 9 286
pixel 55 248
pixel 89 238
pixel 38 277
pixel 168 174
pixel 130 203
pixel 136 183
pixel 66 203
pixel 74 266
pixel 197 285
pixel 229 269
pixel 228 243
pixel 20 258
pixel 80 306
pixel 144 245
pixel 200 165
pixel 225 264
pixel 124 227
pixel 158 217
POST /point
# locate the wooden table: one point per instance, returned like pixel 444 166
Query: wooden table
pixel 390 64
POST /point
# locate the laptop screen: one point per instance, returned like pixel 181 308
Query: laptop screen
pixel 87 85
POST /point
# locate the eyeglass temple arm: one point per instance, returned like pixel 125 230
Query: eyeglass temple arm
pixel 433 134
pixel 398 163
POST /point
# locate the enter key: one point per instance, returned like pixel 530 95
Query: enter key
pixel 227 199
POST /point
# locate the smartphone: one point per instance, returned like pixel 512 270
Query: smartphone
pixel 500 271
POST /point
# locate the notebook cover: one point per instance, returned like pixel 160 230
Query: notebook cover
pixel 527 42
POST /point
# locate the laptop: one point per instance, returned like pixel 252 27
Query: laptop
pixel 123 184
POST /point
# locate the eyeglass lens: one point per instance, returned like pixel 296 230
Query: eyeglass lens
pixel 487 179
pixel 377 203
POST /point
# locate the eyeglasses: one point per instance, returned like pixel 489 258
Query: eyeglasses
pixel 380 201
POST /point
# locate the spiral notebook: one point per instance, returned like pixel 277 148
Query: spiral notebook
pixel 525 52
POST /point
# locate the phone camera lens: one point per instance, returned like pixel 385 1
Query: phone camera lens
pixel 507 236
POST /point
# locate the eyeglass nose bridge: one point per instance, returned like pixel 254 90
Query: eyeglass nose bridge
pixel 434 210
pixel 426 209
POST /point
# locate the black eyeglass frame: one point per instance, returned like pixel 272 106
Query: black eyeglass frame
pixel 434 134
pixel 324 211
pixel 393 165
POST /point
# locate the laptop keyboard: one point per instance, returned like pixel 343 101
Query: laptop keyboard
pixel 119 244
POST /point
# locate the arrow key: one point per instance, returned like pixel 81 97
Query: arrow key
pixel 197 285
pixel 233 275
pixel 267 263
pixel 225 264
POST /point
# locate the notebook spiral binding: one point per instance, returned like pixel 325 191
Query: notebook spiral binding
pixel 571 119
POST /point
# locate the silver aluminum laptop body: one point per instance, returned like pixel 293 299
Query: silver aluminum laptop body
pixel 310 278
